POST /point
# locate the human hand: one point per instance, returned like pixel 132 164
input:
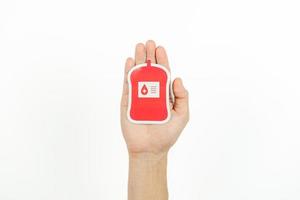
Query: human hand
pixel 158 138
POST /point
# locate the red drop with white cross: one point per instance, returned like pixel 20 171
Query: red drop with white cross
pixel 149 86
pixel 144 89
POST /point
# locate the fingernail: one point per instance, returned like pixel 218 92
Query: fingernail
pixel 181 82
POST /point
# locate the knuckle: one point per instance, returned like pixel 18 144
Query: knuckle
pixel 182 93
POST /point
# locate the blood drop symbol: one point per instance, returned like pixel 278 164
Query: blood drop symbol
pixel 144 90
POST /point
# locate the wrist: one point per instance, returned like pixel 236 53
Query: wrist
pixel 148 160
pixel 148 156
pixel 148 176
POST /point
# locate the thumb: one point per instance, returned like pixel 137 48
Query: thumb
pixel 181 104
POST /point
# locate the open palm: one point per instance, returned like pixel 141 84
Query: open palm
pixel 159 137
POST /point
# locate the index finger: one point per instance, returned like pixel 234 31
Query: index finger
pixel 161 57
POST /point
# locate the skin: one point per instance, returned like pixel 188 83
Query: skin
pixel 148 145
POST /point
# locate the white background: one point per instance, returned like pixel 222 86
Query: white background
pixel 61 65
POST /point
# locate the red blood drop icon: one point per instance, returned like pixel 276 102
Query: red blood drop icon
pixel 144 90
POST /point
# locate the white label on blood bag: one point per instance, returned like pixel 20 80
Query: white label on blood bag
pixel 148 89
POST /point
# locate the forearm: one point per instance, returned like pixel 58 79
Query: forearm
pixel 147 176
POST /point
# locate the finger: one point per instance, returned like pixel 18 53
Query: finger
pixel 128 65
pixel 140 53
pixel 161 57
pixel 150 51
pixel 181 97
